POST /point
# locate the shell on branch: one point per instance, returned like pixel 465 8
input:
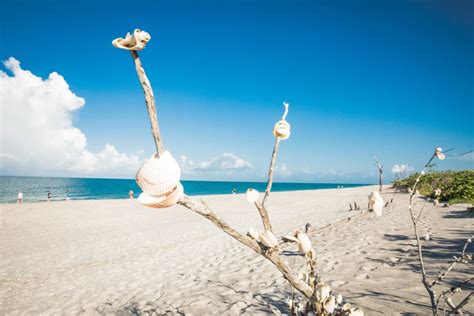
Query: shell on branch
pixel 162 201
pixel 304 243
pixel 282 129
pixel 137 41
pixel 252 195
pixel 159 176
pixel 376 203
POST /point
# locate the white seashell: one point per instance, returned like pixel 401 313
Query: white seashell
pixel 268 239
pixel 427 237
pixel 282 129
pixel 162 201
pixel 338 298
pixel 323 291
pixel 137 41
pixel 376 203
pixel 254 234
pixel 330 305
pixel 303 276
pixel 252 195
pixel 158 176
pixel 289 238
pixel 304 243
pixel 346 307
pixel 439 153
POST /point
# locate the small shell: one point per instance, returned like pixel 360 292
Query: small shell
pixel 137 41
pixel 323 291
pixel 254 234
pixel 304 243
pixel 158 176
pixel 162 201
pixel 310 254
pixel 439 153
pixel 330 305
pixel 252 195
pixel 427 237
pixel 282 129
pixel 338 298
pixel 346 307
pixel 376 203
pixel 268 239
pixel 303 276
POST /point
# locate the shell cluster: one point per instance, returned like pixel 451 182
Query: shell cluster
pixel 282 128
pixel 158 178
pixel 376 203
pixel 137 41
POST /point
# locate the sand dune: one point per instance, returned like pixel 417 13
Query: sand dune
pixel 118 257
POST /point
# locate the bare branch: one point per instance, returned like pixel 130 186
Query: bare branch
pixel 150 102
pixel 380 170
pixel 463 302
pixel 264 216
pixel 272 256
pixel 443 274
pixel 271 169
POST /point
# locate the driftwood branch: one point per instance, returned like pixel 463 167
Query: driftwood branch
pixel 272 256
pixel 451 265
pixel 150 102
pixel 380 169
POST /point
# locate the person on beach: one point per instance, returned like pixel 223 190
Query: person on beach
pixel 49 196
pixel 19 199
pixel 234 191
pixel 130 194
pixel 67 195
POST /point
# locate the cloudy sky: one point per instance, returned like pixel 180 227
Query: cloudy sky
pixel 393 79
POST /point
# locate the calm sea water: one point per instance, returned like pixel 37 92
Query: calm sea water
pixel 36 189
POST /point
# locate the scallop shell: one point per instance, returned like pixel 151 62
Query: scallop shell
pixel 439 153
pixel 137 41
pixel 323 291
pixel 162 201
pixel 254 234
pixel 330 305
pixel 158 176
pixel 304 243
pixel 282 129
pixel 268 239
pixel 252 195
pixel 338 298
pixel 376 203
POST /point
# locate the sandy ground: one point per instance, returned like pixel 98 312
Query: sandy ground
pixel 118 257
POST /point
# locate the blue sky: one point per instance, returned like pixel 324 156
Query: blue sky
pixel 387 78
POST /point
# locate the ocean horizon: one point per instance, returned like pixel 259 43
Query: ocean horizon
pixel 35 189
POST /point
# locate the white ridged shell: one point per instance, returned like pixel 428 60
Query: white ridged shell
pixel 376 203
pixel 330 305
pixel 304 243
pixel 282 129
pixel 158 176
pixel 268 239
pixel 162 201
pixel 252 195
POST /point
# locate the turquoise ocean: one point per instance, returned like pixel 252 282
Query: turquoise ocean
pixel 35 189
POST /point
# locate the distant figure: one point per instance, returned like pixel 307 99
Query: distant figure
pixel 19 199
pixel 67 195
pixel 234 191
pixel 49 196
pixel 130 194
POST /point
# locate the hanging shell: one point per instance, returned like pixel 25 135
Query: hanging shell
pixel 137 41
pixel 158 176
pixel 304 243
pixel 303 276
pixel 252 195
pixel 330 305
pixel 323 291
pixel 376 203
pixel 282 129
pixel 162 201
pixel 339 298
pixel 268 239
pixel 439 153
pixel 254 234
pixel 427 237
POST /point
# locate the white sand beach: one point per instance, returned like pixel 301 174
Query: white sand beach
pixel 118 257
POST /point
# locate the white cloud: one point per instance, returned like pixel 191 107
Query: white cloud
pixel 37 133
pixel 401 169
pixel 283 171
pixel 226 161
